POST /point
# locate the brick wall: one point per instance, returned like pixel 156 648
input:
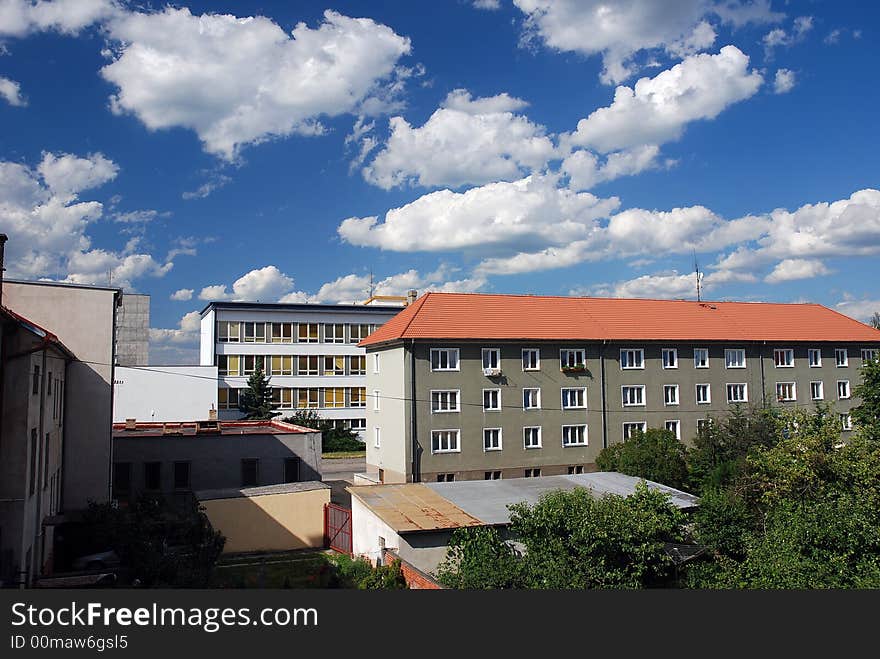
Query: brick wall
pixel 415 578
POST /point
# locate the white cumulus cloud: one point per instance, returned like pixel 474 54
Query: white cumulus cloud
pixel 18 18
pixel 791 269
pixel 238 81
pixel 182 295
pixel 784 81
pixel 465 141
pixel 264 284
pixel 10 91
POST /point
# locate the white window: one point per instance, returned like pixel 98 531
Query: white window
pixel 670 358
pixel 673 426
pixel 670 394
pixel 250 363
pixel 445 441
pixel 281 332
pixel 358 425
pixel 492 358
pixel 376 399
pixel 631 427
pixel 531 359
pixel 846 422
pixel 817 390
pixel 574 435
pixel 444 400
pixel 334 333
pixel 491 400
pixel 703 424
pixel 704 394
pixel 358 396
pixel 334 396
pixel 376 437
pixel 375 362
pixel 531 399
pixel 357 365
pixel 281 365
pixel 734 358
pixel 701 357
pixel 783 357
pixel 841 357
pixel 307 365
pixel 815 357
pixel 491 439
pixel 869 354
pixel 532 437
pixel 574 398
pixel 444 359
pixel 229 364
pixel 786 391
pixel 632 358
pixel 737 393
pixel 633 395
pixel 572 359
pixel 357 333
pixel 843 389
pixel 228 331
pixel 334 365
pixel 532 473
pixel 307 333
pixel 254 332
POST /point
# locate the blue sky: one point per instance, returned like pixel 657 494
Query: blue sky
pixel 283 151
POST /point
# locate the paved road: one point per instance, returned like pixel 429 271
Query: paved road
pixel 338 474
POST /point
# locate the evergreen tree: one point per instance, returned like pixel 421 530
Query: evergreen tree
pixel 255 402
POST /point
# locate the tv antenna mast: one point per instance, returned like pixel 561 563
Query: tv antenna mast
pixel 699 278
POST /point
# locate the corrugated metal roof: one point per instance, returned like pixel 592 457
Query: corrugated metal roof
pixel 489 500
pixel 409 507
pixel 480 316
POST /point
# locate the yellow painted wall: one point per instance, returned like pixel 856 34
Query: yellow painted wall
pixel 271 522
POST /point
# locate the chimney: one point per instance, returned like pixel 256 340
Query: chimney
pixel 411 296
pixel 212 414
pixel 3 239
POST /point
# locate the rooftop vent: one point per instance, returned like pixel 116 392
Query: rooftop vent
pixel 131 424
pixel 210 427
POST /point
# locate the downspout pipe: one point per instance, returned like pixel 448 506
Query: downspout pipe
pixel 415 448
pixel 604 396
pixel 41 450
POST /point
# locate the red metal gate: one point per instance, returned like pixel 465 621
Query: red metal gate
pixel 337 528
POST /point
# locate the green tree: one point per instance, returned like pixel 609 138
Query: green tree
pixel 333 438
pixel 655 455
pixel 255 402
pixel 867 415
pixel 158 543
pixel 572 540
pixel 875 320
pixel 718 456
pixel 384 577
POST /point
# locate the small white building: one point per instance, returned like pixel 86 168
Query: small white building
pixel 164 393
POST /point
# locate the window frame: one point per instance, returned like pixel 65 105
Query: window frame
pixel 457 448
pixel 582 406
pixel 637 387
pixel 540 437
pixel 837 353
pixel 677 389
pixel 634 351
pixel 308 333
pixel 704 351
pixel 574 363
pixel 457 352
pixel 308 372
pixel 744 385
pixel 335 340
pixel 846 423
pixel 793 390
pixel 677 430
pixel 586 438
pixel 454 393
pixel 783 351
pixel 869 354
pixel 663 361
pixel 728 351
pixel 500 439
pixel 537 353
pixel 491 351
pixel 821 384
pixel 492 409
pixel 537 399
pixel 818 353
pixel 708 386
pixel 847 387
pixel 643 426
pixel 282 338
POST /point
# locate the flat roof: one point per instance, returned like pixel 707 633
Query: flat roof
pixel 66 284
pixel 265 490
pixel 302 306
pixel 172 429
pixel 414 507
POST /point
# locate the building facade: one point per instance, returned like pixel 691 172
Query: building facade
pixel 33 387
pixel 465 386
pixel 182 458
pixel 133 330
pixel 84 319
pixel 309 352
pixel 164 393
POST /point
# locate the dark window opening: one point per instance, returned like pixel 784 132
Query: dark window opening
pixel 249 472
pixel 291 470
pixel 36 388
pixel 121 480
pixel 152 475
pixel 181 476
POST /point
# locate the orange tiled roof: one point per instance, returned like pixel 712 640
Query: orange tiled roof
pixel 534 317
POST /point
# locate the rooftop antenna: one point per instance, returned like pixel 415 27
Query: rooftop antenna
pixel 699 278
pixel 372 288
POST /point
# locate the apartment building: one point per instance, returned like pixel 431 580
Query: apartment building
pixel 33 384
pixel 471 386
pixel 309 351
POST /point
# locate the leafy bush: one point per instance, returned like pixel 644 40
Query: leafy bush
pixel 332 439
pixel 655 455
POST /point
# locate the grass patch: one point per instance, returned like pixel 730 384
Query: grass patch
pixel 306 569
pixel 336 455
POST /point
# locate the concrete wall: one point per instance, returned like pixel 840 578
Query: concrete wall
pixel 215 460
pixel 83 319
pixel 164 393
pixel 472 462
pixel 392 456
pixel 271 522
pixel 133 330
